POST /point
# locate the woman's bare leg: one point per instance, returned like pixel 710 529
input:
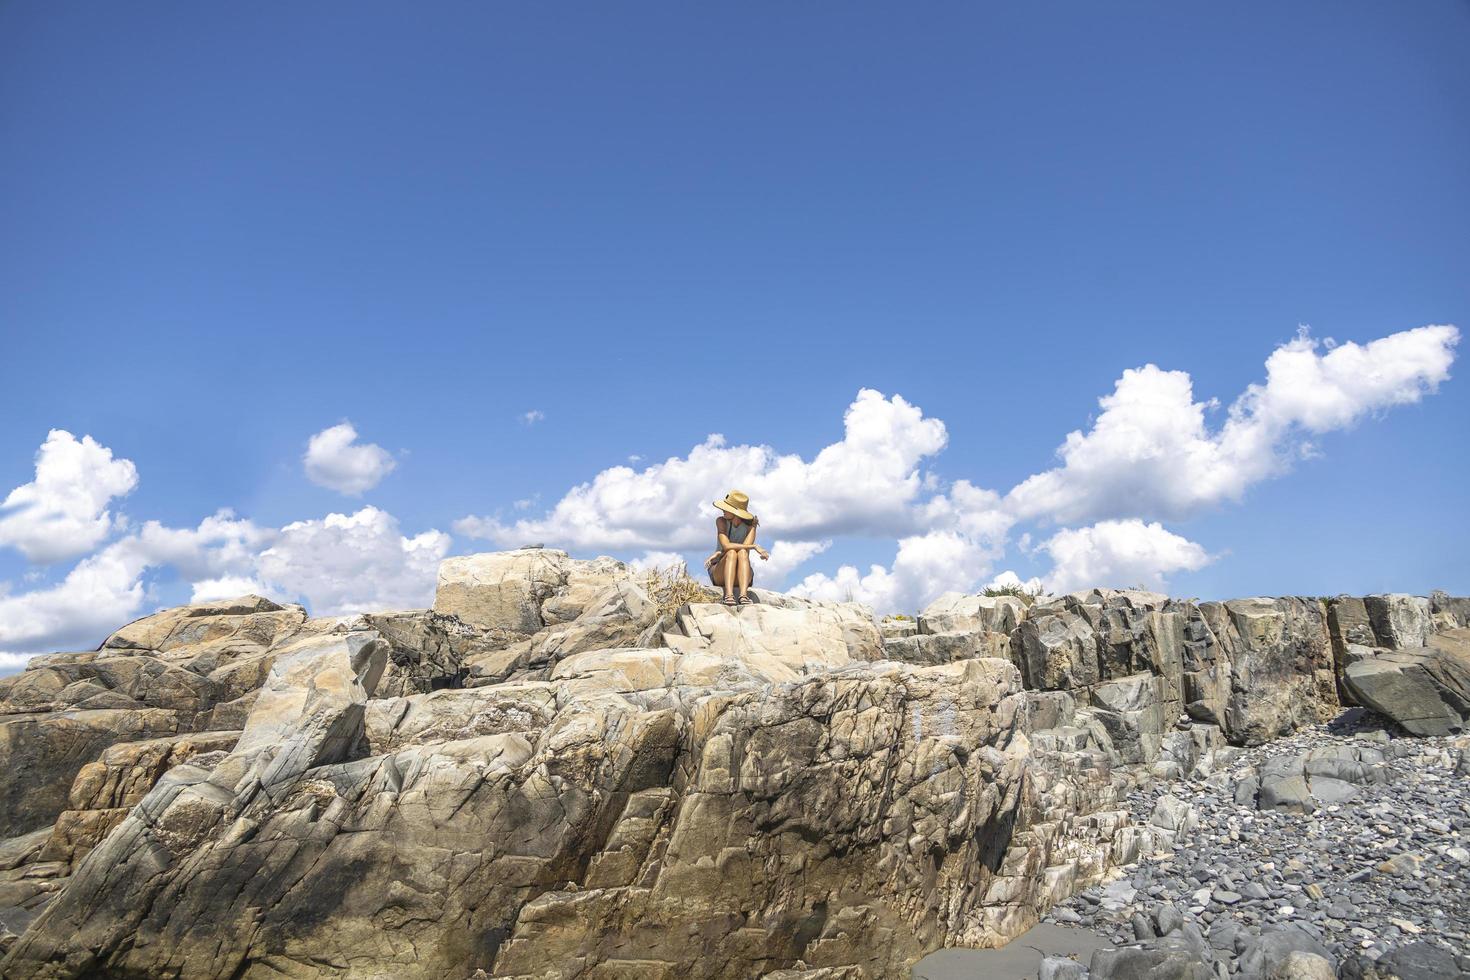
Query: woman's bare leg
pixel 743 577
pixel 730 564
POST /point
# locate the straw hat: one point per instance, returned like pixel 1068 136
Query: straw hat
pixel 736 503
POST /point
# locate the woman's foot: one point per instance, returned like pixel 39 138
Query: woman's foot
pixel 743 601
pixel 729 600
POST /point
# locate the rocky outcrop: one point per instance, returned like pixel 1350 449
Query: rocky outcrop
pixel 554 773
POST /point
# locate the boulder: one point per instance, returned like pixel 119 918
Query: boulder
pixel 1420 961
pixel 805 635
pixel 1143 963
pixel 1426 691
pixel 1320 777
pixel 521 592
pixel 1131 709
pixel 1266 955
pixel 943 648
pixel 1400 622
pixel 958 612
pixel 1281 666
pixel 1057 651
pixel 249 621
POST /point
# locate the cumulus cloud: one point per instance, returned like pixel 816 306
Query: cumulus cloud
pixel 358 562
pixel 926 565
pixel 1010 580
pixel 1119 554
pixel 336 565
pixel 1151 453
pixel 63 512
pixel 227 587
pixel 1155 452
pixel 101 593
pixel 532 417
pixel 336 460
pixel 865 483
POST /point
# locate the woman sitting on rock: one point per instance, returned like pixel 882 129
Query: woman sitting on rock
pixel 729 568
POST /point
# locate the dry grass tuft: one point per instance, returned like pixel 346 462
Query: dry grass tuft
pixel 1026 595
pixel 671 587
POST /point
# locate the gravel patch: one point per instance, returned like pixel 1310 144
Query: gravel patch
pixel 1362 847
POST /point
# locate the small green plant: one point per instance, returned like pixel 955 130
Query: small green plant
pixel 900 616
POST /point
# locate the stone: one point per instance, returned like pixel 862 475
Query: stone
pixel 957 612
pixel 804 635
pixel 1060 968
pixel 42 753
pixel 1425 691
pixel 1266 955
pixel 943 648
pixel 1137 963
pixel 1331 774
pixel 507 590
pixel 556 770
pixel 1419 961
pixel 309 714
pixel 1400 622
pixel 1281 666
pixel 1302 965
pixel 1058 651
pixel 1131 709
pixel 609 814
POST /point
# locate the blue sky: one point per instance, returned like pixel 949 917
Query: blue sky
pixel 227 230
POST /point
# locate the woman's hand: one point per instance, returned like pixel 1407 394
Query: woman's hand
pixel 765 555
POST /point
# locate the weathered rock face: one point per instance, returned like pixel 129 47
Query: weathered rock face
pixel 548 776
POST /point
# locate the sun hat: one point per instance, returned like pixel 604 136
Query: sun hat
pixel 735 503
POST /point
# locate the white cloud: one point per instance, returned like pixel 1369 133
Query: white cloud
pixel 339 564
pixel 63 512
pixel 532 417
pixel 786 557
pixel 1010 580
pixel 227 587
pixel 657 561
pixel 1151 453
pixel 866 483
pixel 222 546
pixel 334 459
pixel 102 593
pixel 925 566
pixel 353 563
pixel 1119 554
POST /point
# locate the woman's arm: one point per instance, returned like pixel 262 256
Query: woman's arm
pixel 755 526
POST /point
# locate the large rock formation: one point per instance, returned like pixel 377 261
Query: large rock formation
pixel 555 774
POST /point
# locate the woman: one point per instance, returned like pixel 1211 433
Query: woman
pixel 729 568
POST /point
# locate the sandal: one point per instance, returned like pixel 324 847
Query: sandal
pixel 743 601
pixel 729 600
